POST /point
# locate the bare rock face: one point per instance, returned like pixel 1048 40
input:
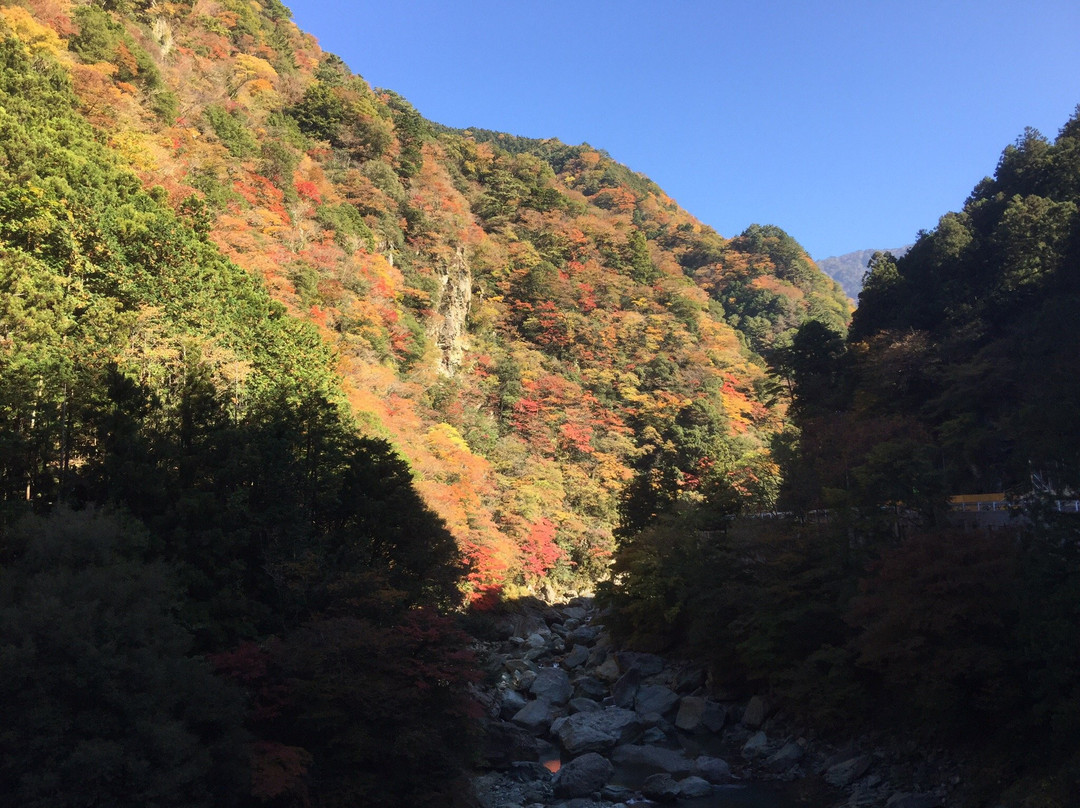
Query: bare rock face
pixel 454 303
pixel 552 685
pixel 653 759
pixel 755 713
pixel 583 776
pixel 599 731
pixel 655 699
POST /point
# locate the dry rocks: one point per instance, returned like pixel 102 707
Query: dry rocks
pixel 617 727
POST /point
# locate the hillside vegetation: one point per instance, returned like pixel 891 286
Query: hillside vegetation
pixel 288 374
pixel 873 605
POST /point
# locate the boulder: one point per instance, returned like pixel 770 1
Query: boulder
pixel 613 793
pixel 608 671
pixel 505 744
pixel 754 715
pixel 582 776
pixel 583 635
pixel 597 655
pixel 783 760
pixel 510 702
pixel 536 640
pixel 655 699
pixel 903 800
pixel 574 613
pixel 598 731
pixel 590 687
pixel 553 730
pixel 577 657
pixel 755 746
pixel 693 787
pixel 583 705
pixel 519 665
pixel 528 771
pixel 645 664
pixel 552 685
pixel 523 679
pixel 625 689
pixel 714 717
pixel 661 788
pixel 691 713
pixel 653 736
pixel 847 772
pixel 652 759
pixel 536 717
pixel 713 769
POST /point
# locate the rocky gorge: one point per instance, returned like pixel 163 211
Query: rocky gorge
pixel 572 721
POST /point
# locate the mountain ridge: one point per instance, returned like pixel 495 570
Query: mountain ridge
pixel 485 303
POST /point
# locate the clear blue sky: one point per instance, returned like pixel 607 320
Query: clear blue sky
pixel 851 125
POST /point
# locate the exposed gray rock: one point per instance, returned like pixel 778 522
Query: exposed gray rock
pixel 693 787
pixel 614 793
pixel 558 722
pixel 653 736
pixel 510 702
pixel 505 743
pixel 577 657
pixel 713 769
pixel 714 718
pixel 755 746
pixel 660 787
pixel 755 713
pixel 583 635
pixel 526 771
pixel 783 760
pixel 552 685
pixel 625 689
pixel 847 772
pixel 903 800
pixel 597 655
pixel 608 671
pixel 652 759
pixel 590 688
pixel 655 699
pixel 575 612
pixel 536 717
pixel 583 776
pixel 598 731
pixel 519 665
pixel 583 705
pixel 645 664
pixel 691 713
pixel 536 640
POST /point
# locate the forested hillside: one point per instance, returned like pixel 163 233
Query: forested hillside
pixel 529 324
pixel 289 373
pixel 873 604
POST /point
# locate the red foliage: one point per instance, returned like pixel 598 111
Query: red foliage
pixel 306 189
pixel 539 550
pixel 279 771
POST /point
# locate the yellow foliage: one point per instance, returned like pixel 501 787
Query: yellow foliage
pixel 35 35
pixel 134 148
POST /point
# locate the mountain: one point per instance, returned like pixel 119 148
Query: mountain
pixel 288 374
pixel 881 598
pixel 848 269
pixel 529 324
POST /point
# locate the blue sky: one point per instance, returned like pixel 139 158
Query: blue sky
pixel 851 125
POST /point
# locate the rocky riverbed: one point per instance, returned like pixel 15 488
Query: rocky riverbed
pixel 573 722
